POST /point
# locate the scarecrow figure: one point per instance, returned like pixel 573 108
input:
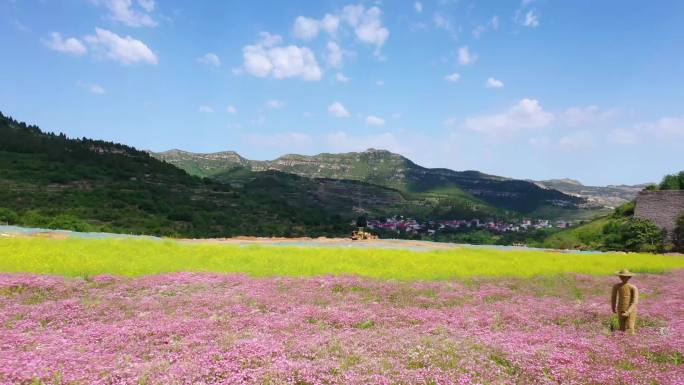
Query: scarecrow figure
pixel 624 300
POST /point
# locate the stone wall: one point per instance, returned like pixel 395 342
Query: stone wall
pixel 660 207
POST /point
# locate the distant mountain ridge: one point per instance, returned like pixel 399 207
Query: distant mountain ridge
pixel 610 196
pixel 384 168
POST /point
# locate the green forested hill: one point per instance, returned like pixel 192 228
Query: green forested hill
pixel 350 198
pixel 383 168
pixel 50 180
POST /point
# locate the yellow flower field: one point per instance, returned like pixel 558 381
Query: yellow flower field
pixel 136 257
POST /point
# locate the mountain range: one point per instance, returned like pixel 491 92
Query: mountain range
pixel 492 194
pixel 50 180
pixel 383 168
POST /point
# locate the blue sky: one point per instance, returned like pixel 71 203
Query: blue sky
pixel 591 90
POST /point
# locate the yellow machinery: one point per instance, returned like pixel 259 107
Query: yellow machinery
pixel 361 234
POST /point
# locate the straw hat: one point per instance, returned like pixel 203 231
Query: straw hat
pixel 624 273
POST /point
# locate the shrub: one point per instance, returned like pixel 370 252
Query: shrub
pixel 625 210
pixel 8 216
pixel 68 222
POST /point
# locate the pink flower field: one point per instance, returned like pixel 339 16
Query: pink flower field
pixel 200 328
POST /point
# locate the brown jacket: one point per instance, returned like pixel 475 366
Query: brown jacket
pixel 624 298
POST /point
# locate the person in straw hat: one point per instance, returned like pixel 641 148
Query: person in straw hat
pixel 624 300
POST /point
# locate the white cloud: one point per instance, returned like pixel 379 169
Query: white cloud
pixel 71 45
pixel 526 114
pixel 341 78
pixel 541 143
pixel 465 57
pixel 330 23
pixel 455 77
pixel 266 58
pixel 450 121
pixel 257 61
pixel 123 11
pixel 577 116
pixel 286 140
pixel 478 31
pixel 125 50
pixel 529 19
pixel 367 24
pixel 573 141
pixel 205 109
pixel 147 5
pixel 210 59
pixel 231 109
pixel 576 140
pixel 494 83
pixel 338 110
pixel 305 28
pixel 441 22
pixel 275 104
pixel 258 121
pixel 335 55
pixel 93 88
pixel 492 24
pixel 267 39
pixel 352 14
pixel 375 121
pixel 418 6
pixel 667 127
pixel 97 89
pixel 623 136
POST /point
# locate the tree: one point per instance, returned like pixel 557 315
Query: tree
pixel 678 236
pixel 673 182
pixel 639 234
pixel 7 216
